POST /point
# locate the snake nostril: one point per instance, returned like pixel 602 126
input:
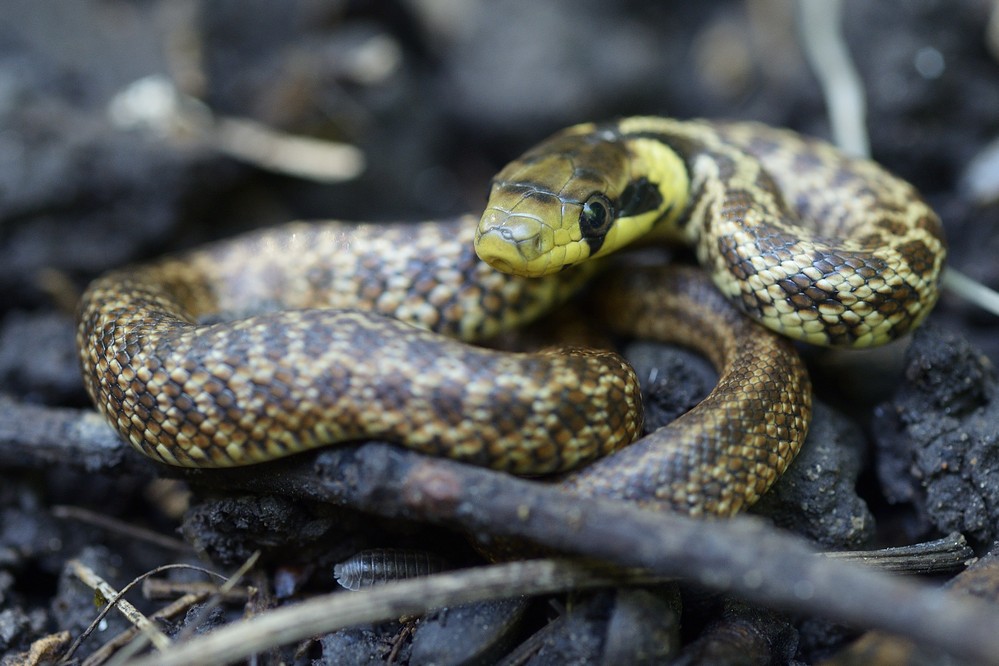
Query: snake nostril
pixel 507 234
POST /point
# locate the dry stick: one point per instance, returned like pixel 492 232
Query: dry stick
pixel 139 643
pixel 176 607
pixel 219 598
pixel 114 598
pixel 821 38
pixel 319 615
pixel 743 555
pixel 950 553
pixel 971 290
pixel 536 577
pixel 36 437
pixel 158 589
pixel 154 103
pixel 120 527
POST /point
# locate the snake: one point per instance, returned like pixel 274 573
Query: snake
pixel 316 333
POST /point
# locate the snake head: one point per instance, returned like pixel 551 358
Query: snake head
pixel 522 231
pixel 583 193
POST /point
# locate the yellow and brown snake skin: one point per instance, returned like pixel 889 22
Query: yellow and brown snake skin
pixel 313 334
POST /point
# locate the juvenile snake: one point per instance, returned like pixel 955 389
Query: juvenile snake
pixel 312 334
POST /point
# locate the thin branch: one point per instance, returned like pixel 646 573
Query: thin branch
pixel 36 437
pixel 289 624
pixel 154 103
pixel 742 556
pixel 120 527
pixel 178 606
pixel 155 588
pixel 114 599
pixel 971 290
pixel 821 37
pixel 950 553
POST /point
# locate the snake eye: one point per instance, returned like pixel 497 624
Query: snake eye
pixel 596 217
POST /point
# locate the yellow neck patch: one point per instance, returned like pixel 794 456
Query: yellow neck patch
pixel 661 165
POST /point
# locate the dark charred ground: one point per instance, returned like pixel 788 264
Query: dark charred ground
pixel 438 95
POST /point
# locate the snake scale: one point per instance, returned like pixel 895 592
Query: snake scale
pixel 310 334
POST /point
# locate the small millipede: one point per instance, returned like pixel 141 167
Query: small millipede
pixel 385 565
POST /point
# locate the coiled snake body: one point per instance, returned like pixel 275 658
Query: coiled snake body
pixel 335 332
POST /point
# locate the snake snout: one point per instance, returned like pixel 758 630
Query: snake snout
pixel 509 242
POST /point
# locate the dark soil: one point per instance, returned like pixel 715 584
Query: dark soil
pixel 439 95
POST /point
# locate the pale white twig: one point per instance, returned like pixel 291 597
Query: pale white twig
pixel 154 104
pixel 821 35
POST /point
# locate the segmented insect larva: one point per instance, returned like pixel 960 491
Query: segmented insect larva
pixel 385 565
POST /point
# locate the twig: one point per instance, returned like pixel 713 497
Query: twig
pixel 114 599
pixel 155 588
pixel 218 598
pixel 154 103
pixel 178 606
pixel 742 556
pixel 819 24
pixel 299 156
pixel 327 613
pixel 932 557
pixel 971 290
pixel 120 527
pixel 139 643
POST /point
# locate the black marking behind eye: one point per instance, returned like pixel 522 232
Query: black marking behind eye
pixel 639 196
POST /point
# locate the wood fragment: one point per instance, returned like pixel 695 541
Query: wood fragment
pixel 288 624
pixel 155 588
pixel 120 527
pixel 947 554
pixel 175 608
pixel 114 598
